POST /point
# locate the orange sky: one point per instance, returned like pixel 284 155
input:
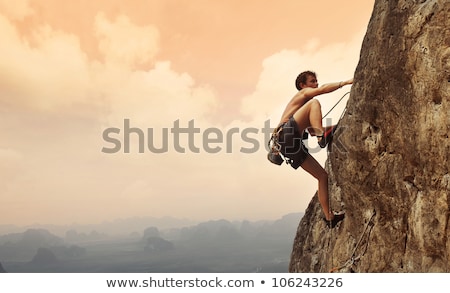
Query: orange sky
pixel 69 71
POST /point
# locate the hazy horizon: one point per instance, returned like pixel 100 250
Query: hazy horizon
pixel 121 226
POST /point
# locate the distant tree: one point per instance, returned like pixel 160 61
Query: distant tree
pixel 44 256
pixel 151 232
pixel 158 244
pixel 39 238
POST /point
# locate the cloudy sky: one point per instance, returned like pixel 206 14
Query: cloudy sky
pixel 79 80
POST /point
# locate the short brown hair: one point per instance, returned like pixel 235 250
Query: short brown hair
pixel 301 78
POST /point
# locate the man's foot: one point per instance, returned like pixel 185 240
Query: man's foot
pixel 326 137
pixel 336 219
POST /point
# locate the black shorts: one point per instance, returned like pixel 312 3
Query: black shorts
pixel 292 146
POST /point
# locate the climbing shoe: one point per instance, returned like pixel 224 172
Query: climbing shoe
pixel 327 136
pixel 337 218
pixel 275 158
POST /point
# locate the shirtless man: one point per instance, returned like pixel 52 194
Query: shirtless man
pixel 303 112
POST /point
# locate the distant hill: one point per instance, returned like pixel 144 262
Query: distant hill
pixel 32 238
pixel 212 246
pixel 219 233
pixel 24 246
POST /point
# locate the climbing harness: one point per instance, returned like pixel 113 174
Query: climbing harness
pixel 353 257
pixel 275 156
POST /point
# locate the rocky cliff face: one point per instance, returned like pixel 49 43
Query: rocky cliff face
pixel 391 173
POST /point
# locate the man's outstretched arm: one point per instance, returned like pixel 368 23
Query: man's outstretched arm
pixel 326 88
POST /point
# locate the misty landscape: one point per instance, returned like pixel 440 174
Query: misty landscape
pixel 151 245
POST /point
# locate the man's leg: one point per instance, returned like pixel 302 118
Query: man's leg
pixel 313 167
pixel 309 116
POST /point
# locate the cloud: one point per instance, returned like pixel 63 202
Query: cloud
pixel 45 70
pixel 59 101
pixel 125 43
pixel 157 97
pixel 16 10
pixel 48 71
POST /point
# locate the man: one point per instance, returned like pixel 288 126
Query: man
pixel 302 113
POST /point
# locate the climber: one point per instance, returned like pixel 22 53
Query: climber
pixel 303 113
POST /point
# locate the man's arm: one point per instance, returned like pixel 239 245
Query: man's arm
pixel 326 88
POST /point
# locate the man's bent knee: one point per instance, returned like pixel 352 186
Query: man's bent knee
pixel 314 103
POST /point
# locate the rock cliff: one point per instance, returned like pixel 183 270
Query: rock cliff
pixel 390 172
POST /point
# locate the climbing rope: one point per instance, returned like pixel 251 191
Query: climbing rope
pixel 332 108
pixel 355 258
